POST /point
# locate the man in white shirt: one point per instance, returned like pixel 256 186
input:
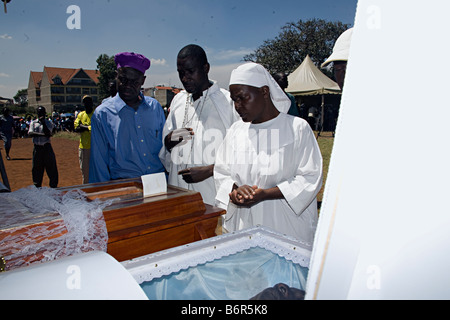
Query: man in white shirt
pixel 43 156
pixel 196 125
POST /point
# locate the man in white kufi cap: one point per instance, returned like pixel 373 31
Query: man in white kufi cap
pixel 339 57
pixel 268 170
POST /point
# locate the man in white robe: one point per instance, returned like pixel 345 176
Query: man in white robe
pixel 268 170
pixel 196 125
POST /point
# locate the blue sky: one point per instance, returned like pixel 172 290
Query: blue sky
pixel 34 33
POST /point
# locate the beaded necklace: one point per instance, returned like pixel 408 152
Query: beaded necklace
pixel 190 102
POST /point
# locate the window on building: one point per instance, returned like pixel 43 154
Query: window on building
pixel 71 90
pixel 58 99
pixel 73 99
pixel 57 80
pixel 57 90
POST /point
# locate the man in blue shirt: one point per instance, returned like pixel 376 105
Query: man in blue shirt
pixel 127 129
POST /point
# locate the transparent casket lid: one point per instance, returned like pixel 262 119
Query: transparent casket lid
pixel 233 266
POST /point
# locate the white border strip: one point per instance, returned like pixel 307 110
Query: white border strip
pixel 156 265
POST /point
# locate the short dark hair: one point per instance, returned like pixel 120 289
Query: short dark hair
pixel 193 50
pixel 41 109
pixel 277 76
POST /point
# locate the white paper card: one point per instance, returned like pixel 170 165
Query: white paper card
pixel 154 184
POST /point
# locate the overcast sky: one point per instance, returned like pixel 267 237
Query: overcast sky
pixel 34 34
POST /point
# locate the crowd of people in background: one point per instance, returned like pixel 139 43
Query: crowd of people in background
pixel 61 123
pixel 65 121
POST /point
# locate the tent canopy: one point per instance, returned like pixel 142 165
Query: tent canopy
pixel 307 79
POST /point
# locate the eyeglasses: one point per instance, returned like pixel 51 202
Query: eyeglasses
pixel 124 80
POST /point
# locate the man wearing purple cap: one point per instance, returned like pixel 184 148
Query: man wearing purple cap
pixel 127 129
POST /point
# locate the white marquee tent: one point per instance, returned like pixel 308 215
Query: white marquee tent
pixel 307 79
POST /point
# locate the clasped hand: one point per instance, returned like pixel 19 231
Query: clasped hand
pixel 246 196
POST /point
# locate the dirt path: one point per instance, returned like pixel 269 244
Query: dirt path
pixel 18 168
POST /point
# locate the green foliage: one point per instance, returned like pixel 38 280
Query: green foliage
pixel 286 52
pixel 107 69
pixel 21 98
pixel 18 110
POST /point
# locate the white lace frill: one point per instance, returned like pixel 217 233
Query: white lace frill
pixel 156 265
pixel 30 231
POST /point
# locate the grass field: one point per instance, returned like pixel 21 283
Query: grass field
pixel 67 135
pixel 325 141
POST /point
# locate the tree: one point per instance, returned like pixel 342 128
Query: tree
pixel 21 98
pixel 107 69
pixel 286 52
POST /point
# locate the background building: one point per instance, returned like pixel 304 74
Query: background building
pixel 4 102
pixel 164 95
pixel 62 89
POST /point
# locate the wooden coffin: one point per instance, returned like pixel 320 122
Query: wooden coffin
pixel 136 225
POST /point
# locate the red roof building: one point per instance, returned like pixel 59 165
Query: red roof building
pixel 62 89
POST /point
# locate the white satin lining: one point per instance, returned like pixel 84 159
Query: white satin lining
pixel 156 265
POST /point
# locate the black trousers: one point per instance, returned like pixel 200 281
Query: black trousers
pixel 44 159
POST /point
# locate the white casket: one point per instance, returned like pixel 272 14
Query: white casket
pixel 383 230
pixel 233 266
pixel 93 275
